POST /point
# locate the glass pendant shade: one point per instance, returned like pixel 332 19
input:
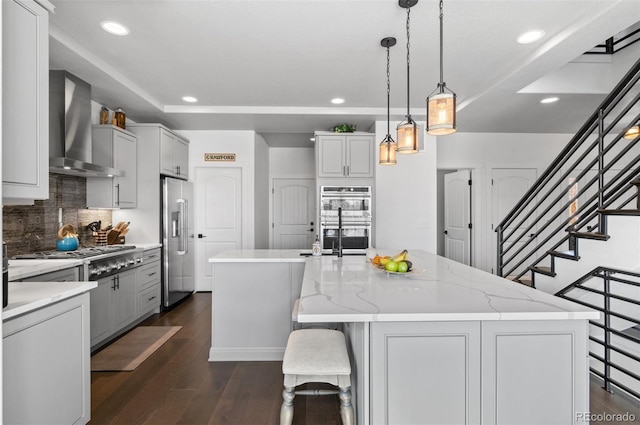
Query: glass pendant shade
pixel 441 114
pixel 388 150
pixel 632 133
pixel 407 137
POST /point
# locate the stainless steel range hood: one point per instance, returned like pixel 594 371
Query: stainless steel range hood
pixel 70 128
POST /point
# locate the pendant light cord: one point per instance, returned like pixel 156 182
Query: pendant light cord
pixel 388 92
pixel 441 49
pixel 408 60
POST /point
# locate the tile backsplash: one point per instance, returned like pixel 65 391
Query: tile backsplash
pixel 32 228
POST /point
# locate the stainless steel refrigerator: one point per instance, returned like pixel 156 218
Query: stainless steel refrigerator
pixel 178 261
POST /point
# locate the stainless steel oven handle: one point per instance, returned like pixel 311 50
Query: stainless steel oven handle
pixel 345 225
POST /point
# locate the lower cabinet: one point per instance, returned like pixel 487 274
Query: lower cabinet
pixel 148 284
pixel 472 372
pixel 425 373
pixel 113 306
pixel 46 365
pixel 125 299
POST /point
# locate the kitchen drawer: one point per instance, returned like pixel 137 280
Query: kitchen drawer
pixel 148 275
pixel 149 299
pixel 151 255
pixel 66 275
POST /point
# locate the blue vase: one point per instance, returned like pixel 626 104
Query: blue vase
pixel 67 244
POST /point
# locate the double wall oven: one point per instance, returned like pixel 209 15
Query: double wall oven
pixel 354 204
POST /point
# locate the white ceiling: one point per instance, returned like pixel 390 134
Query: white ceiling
pixel 273 66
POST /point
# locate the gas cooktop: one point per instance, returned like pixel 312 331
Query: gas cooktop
pixel 79 253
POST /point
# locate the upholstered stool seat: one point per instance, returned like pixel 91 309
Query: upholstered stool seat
pixel 316 355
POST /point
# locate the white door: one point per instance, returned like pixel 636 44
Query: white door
pixel 457 216
pixel 508 187
pixel 294 204
pixel 218 218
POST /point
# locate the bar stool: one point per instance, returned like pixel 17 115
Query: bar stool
pixel 316 355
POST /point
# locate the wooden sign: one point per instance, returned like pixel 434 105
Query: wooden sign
pixel 220 157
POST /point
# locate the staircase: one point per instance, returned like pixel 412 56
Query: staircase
pixel 595 178
pixel 576 232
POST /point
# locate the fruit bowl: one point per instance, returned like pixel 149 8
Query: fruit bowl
pixel 384 269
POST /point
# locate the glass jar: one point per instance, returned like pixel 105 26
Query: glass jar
pixel 120 118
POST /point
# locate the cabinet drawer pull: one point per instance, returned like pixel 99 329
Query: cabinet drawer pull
pixel 153 255
pixel 151 274
pixel 152 298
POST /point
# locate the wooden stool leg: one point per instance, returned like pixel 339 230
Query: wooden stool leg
pixel 346 408
pixel 286 411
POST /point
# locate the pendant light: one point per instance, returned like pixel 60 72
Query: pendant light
pixel 632 132
pixel 441 104
pixel 408 129
pixel 388 146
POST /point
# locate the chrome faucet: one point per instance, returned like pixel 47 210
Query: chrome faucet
pixel 339 250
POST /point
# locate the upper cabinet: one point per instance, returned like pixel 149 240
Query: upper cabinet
pixel 345 155
pixel 25 100
pixel 117 148
pixel 174 155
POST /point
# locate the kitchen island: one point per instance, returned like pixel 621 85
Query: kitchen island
pixel 443 344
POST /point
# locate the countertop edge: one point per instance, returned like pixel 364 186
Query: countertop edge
pixel 447 317
pixel 36 295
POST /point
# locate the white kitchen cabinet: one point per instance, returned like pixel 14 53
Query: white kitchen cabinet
pixel 25 100
pixel 148 284
pixel 174 155
pixel 146 216
pixel 345 155
pixel 117 148
pixel 113 307
pixel 46 365
pixel 471 372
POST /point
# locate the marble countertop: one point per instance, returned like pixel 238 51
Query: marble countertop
pixel 351 289
pixel 25 297
pixel 21 269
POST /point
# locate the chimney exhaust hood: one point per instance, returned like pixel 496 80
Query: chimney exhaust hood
pixel 70 149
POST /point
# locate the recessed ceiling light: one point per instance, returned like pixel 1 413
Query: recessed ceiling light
pixel 337 100
pixel 189 99
pixel 530 36
pixel 549 100
pixel 313 139
pixel 114 28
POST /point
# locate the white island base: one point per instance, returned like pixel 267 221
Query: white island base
pixel 444 344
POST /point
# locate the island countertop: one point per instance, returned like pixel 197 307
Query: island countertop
pixel 351 289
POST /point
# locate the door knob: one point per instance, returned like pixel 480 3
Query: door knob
pixel 445 232
pixel 200 236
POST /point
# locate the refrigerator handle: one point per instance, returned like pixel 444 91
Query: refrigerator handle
pixel 182 241
pixel 185 226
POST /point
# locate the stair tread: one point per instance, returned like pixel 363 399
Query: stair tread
pixel 591 235
pixel 523 280
pixel 569 254
pixel 631 212
pixel 543 270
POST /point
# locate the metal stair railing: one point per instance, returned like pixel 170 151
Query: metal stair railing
pixel 615 338
pixel 592 173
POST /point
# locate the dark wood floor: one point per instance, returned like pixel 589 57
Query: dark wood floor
pixel 178 385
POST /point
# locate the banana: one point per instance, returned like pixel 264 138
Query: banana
pixel 401 256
